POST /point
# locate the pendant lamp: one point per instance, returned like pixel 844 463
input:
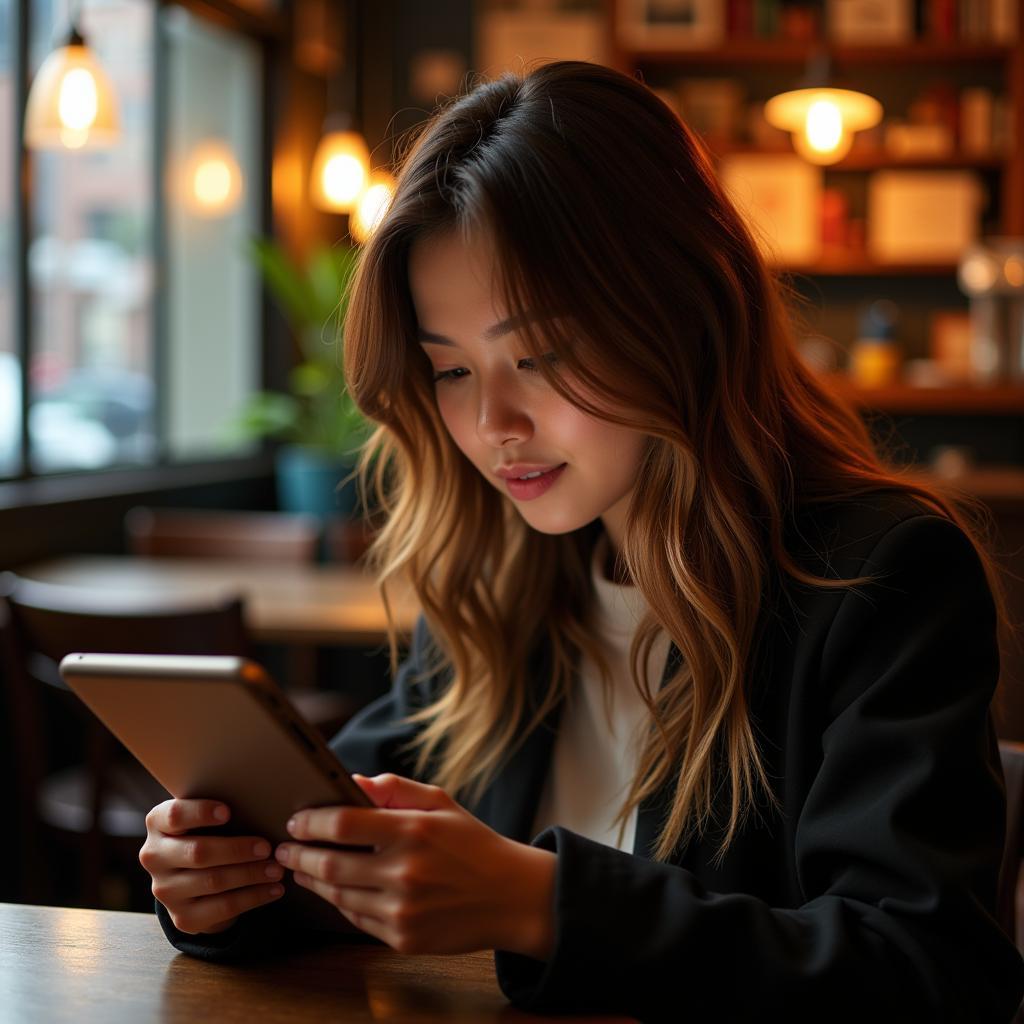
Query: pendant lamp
pixel 71 104
pixel 212 184
pixel 820 117
pixel 341 164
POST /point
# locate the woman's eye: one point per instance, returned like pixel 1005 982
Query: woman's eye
pixel 528 364
pixel 450 376
pixel 457 374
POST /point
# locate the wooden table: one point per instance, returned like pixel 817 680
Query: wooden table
pixel 105 966
pixel 333 604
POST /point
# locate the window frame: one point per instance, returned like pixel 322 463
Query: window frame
pixel 27 487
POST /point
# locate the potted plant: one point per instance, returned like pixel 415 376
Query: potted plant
pixel 319 423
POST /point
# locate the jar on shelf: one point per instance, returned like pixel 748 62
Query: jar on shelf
pixel 991 273
pixel 875 357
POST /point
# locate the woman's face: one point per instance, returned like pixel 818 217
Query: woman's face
pixel 499 410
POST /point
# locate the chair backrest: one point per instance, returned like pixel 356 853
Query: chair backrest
pixel 1012 756
pixel 42 622
pixel 201 533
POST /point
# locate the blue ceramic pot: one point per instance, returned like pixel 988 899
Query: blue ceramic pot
pixel 310 481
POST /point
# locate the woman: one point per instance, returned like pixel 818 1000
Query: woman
pixel 695 722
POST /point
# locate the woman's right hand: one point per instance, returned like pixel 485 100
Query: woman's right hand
pixel 206 881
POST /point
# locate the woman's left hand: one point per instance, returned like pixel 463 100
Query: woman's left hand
pixel 438 881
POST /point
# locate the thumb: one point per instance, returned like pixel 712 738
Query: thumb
pixel 396 792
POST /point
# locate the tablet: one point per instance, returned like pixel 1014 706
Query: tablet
pixel 219 728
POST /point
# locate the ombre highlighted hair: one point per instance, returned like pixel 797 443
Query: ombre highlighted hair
pixel 612 230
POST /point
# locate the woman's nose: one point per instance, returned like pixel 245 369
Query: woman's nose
pixel 502 419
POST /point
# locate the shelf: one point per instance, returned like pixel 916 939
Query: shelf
pixel 998 486
pixel 870 160
pixel 783 51
pixel 858 265
pixel 996 400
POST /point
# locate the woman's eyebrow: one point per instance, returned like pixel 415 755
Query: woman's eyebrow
pixel 498 330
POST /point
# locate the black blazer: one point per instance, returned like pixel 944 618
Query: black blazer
pixel 869 897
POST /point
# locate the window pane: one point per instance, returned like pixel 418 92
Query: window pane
pixel 213 209
pixel 90 269
pixel 10 371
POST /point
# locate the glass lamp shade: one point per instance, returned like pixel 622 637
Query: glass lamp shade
pixel 371 206
pixel 340 171
pixel 71 104
pixel 822 121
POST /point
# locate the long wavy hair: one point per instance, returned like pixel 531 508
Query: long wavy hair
pixel 614 232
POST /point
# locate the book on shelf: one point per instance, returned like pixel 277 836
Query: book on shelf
pixel 873 22
pixel 870 22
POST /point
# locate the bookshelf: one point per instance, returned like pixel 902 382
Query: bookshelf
pixel 999 400
pixel 998 65
pixel 844 278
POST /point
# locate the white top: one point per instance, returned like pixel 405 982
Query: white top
pixel 596 754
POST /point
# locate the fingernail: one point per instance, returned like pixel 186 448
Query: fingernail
pixel 282 854
pixel 261 849
pixel 293 824
pixel 220 813
pixel 274 871
pixel 277 890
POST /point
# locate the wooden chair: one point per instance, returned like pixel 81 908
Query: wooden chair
pixel 98 802
pixel 201 533
pixel 280 537
pixel 348 539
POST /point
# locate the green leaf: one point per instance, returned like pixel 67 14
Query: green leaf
pixel 310 379
pixel 286 283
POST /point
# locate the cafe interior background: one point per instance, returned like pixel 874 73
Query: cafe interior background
pixel 184 187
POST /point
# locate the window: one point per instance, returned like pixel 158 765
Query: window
pixel 10 370
pixel 90 264
pixel 121 373
pixel 214 184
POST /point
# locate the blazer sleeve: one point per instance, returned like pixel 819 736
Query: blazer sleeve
pixel 369 744
pixel 897 844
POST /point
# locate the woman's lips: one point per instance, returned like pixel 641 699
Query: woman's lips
pixel 527 490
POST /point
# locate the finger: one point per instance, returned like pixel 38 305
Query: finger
pixel 334 866
pixel 173 817
pixel 211 851
pixel 361 906
pixel 356 826
pixel 366 826
pixel 182 885
pixel 208 911
pixel 365 784
pixel 395 791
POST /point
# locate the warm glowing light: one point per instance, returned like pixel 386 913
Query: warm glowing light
pixel 71 103
pixel 978 272
pixel 78 101
pixel 213 183
pixel 1013 271
pixel 824 125
pixel 343 178
pixel 340 171
pixel 822 121
pixel 371 206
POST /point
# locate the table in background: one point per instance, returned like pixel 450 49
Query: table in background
pixel 285 604
pixel 106 966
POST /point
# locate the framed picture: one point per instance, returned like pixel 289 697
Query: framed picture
pixel 670 24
